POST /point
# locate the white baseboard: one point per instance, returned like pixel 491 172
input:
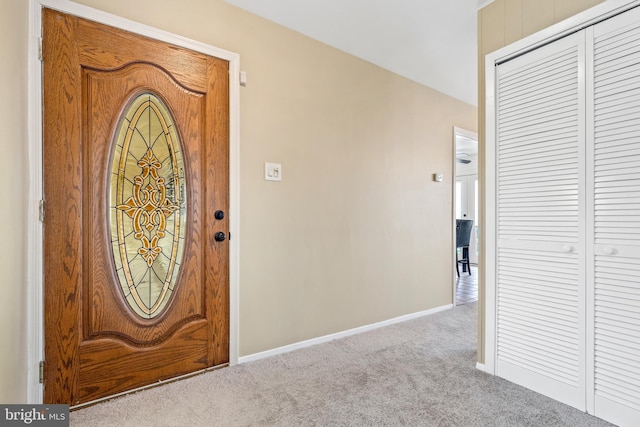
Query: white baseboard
pixel 331 337
pixel 482 367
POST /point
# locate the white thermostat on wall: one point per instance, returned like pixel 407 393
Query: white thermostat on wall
pixel 273 171
pixel 438 177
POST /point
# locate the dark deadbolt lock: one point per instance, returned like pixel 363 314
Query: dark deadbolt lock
pixel 219 236
pixel 219 215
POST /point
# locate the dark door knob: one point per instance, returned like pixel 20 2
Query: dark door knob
pixel 219 236
pixel 218 215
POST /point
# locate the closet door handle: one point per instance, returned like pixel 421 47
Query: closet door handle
pixel 610 251
pixel 568 249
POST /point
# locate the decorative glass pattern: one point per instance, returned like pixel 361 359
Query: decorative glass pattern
pixel 147 205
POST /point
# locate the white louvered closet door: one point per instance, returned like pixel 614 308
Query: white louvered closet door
pixel 614 153
pixel 540 329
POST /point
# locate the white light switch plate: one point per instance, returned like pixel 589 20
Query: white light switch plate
pixel 273 171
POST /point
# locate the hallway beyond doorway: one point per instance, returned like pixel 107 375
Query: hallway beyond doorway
pixel 467 286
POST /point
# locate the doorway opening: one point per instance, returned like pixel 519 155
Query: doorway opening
pixel 465 276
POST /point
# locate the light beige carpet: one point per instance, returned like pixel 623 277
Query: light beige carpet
pixel 417 373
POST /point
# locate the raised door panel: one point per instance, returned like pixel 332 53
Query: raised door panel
pixel 540 223
pixel 615 156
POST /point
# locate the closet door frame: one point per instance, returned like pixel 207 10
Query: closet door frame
pixel 578 22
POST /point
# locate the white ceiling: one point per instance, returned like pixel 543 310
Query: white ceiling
pixel 432 42
pixel 466 147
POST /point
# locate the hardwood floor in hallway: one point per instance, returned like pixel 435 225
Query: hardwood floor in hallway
pixel 467 286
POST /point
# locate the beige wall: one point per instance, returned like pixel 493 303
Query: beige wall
pixel 356 233
pixel 14 186
pixel 499 24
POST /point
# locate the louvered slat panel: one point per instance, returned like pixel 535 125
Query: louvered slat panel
pixel 616 198
pixel 539 126
pixel 530 153
pixel 536 322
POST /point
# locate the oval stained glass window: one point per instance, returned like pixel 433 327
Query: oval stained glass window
pixel 147 205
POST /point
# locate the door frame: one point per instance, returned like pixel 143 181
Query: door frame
pixel 35 256
pixel 472 135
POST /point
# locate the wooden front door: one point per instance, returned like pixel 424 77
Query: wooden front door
pixel 136 273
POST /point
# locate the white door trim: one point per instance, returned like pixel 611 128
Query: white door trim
pixel 35 308
pixel 575 23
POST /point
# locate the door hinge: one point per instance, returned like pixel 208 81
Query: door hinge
pixel 40 50
pixel 41 211
pixel 41 370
